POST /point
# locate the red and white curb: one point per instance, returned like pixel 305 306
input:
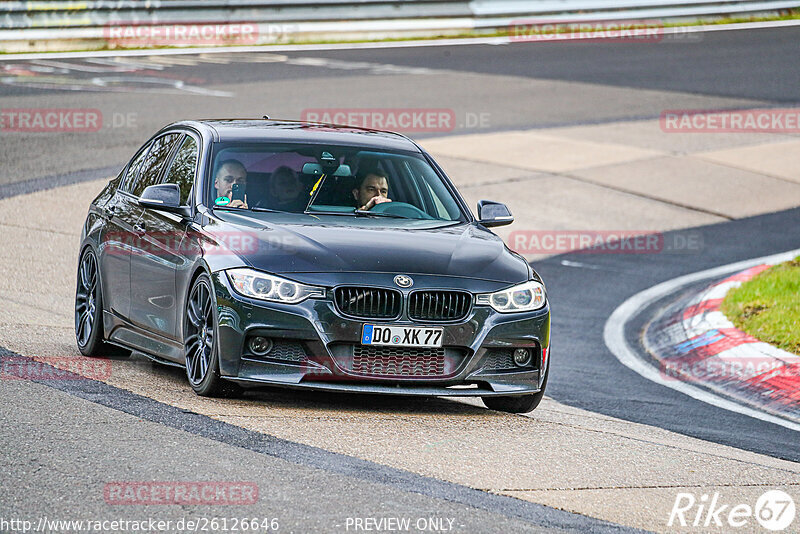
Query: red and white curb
pixel 699 352
pixel 693 341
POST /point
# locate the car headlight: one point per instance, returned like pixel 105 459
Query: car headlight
pixel 264 286
pixel 523 297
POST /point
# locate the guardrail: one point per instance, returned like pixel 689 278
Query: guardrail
pixel 38 25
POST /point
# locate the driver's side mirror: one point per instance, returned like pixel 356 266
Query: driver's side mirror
pixel 493 213
pixel 164 197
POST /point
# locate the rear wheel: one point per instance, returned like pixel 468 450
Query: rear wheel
pixel 519 404
pixel 89 311
pixel 201 346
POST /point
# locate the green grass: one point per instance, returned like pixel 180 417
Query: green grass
pixel 768 306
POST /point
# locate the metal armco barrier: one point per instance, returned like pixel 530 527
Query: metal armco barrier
pixel 54 24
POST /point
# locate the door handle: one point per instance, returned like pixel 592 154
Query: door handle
pixel 139 228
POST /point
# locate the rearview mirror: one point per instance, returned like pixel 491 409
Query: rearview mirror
pixel 493 213
pixel 315 169
pixel 164 197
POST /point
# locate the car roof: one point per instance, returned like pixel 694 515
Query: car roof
pixel 277 130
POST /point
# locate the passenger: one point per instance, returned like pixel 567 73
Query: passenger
pixel 373 188
pixel 285 190
pixel 231 171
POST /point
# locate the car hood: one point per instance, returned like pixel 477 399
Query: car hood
pixel 326 244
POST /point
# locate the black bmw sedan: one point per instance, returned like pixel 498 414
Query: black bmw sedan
pixel 278 253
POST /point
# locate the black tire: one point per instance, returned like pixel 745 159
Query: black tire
pixel 201 344
pixel 518 404
pixel 89 311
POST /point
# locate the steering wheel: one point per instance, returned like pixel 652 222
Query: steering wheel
pixel 401 209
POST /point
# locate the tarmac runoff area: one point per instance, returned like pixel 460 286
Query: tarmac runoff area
pixel 624 176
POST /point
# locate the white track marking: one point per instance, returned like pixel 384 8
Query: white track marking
pixel 614 336
pixel 568 263
pixel 81 67
pixel 134 64
pixel 383 44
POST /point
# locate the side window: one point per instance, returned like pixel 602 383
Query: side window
pixel 181 171
pixel 440 209
pixel 133 169
pixel 154 162
pixel 439 202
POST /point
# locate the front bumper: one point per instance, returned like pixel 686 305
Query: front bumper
pixel 317 347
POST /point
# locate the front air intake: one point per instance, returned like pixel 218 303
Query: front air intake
pixel 439 305
pixel 368 302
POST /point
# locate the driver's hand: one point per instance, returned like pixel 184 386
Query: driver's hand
pixel 375 200
pixel 238 204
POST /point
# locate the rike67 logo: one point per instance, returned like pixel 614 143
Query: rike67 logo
pixel 774 510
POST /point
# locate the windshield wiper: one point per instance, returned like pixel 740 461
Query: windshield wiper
pixel 347 213
pixel 268 210
pixel 367 213
pixel 358 213
pixel 245 210
pixel 228 208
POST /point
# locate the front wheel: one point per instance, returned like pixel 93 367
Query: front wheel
pixel 201 346
pixel 520 404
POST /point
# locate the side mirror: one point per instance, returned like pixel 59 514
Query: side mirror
pixel 164 197
pixel 493 213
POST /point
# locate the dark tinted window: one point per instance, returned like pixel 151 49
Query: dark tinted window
pixel 133 169
pixel 181 171
pixel 154 162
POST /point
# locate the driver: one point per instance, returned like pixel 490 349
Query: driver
pixel 373 188
pixel 231 171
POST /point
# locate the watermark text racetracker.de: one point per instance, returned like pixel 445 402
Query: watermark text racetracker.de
pixel 54 368
pixel 157 243
pixel 774 510
pixel 621 31
pixel 726 369
pixel 144 35
pixel 62 120
pixel 242 523
pixel 398 119
pixel 775 120
pixel 180 493
pixel 532 242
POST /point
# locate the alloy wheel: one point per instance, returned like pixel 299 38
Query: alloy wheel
pixel 86 299
pixel 200 337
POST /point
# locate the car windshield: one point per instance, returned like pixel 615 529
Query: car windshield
pixel 328 180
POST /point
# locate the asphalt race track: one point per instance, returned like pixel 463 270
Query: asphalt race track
pixel 518 85
pixel 93 427
pixel 590 294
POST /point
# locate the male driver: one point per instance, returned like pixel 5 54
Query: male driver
pixel 231 171
pixel 373 188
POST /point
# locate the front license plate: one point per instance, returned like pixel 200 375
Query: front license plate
pixel 401 336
